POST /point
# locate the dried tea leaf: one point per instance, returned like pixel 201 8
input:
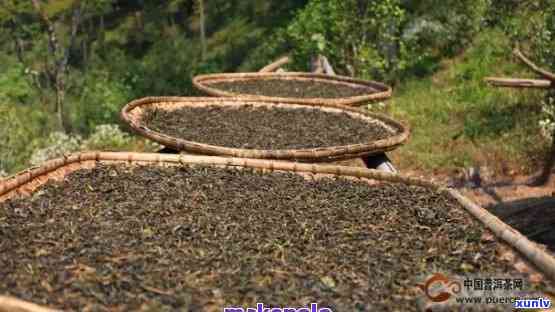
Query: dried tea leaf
pixel 291 88
pixel 272 128
pixel 197 238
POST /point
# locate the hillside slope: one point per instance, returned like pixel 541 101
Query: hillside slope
pixel 458 121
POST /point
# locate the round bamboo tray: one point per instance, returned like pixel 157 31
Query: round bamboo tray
pixel 26 182
pixel 133 113
pixel 376 91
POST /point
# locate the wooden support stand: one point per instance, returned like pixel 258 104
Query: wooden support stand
pixel 167 150
pixel 379 162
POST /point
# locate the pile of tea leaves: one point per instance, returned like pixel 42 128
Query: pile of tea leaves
pixel 192 238
pixel 251 127
pixel 291 88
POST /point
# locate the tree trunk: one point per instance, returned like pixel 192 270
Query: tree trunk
pixel 60 98
pixel 202 28
pixel 140 26
pixel 389 47
pixel 545 173
pixel 101 34
pixel 60 57
pixel 85 46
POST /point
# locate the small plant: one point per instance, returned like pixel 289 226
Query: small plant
pixel 104 138
pixel 107 137
pixel 57 145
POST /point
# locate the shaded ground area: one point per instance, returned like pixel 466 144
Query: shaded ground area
pixel 530 210
pixel 124 237
pixel 264 128
pixel 291 88
pixel 533 217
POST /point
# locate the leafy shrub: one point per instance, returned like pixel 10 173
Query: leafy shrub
pixel 20 126
pixel 166 69
pixel 14 86
pixel 382 39
pixel 360 39
pixel 15 81
pixel 531 24
pixel 435 29
pixel 101 100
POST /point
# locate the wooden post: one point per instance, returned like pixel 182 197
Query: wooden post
pixel 316 65
pixel 275 66
pixel 328 69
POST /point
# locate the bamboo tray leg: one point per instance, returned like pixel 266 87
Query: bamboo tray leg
pixel 380 162
pixel 167 150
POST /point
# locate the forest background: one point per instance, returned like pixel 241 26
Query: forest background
pixel 68 66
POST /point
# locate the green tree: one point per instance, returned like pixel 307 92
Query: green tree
pixel 27 22
pixel 362 38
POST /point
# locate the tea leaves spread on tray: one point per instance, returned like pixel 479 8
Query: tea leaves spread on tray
pixel 264 128
pixel 291 88
pixel 191 238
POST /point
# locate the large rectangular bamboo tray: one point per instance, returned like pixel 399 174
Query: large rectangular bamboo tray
pixel 26 182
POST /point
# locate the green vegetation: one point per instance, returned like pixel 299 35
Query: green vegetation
pixel 107 53
pixel 434 52
pixel 458 121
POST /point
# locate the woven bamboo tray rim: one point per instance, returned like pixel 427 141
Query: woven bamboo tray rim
pixel 29 180
pixel 131 114
pixel 377 90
